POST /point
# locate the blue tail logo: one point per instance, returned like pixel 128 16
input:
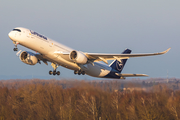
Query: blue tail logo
pixel 118 65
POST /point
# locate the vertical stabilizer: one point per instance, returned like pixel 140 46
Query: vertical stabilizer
pixel 118 65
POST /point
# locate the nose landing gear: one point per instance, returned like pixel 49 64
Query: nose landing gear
pixel 16 43
pixel 55 66
pixel 15 49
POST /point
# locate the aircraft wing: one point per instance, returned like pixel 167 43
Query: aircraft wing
pixel 104 57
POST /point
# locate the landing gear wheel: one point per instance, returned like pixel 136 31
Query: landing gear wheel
pixel 15 49
pixel 58 73
pixel 79 72
pixel 75 72
pixel 50 72
pixel 54 72
pixel 83 72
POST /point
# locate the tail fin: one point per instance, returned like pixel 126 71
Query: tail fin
pixel 118 65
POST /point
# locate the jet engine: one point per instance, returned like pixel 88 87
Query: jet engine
pixel 28 58
pixel 78 57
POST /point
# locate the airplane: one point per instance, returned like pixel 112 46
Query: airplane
pixel 92 64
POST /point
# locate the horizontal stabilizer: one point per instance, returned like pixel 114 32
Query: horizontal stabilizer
pixel 131 75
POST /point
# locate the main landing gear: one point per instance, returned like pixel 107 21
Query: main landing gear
pixel 55 66
pixel 79 72
pixel 16 43
pixel 54 72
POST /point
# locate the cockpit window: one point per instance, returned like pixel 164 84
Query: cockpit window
pixel 17 30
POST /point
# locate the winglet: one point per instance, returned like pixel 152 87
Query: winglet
pixel 166 51
pixel 162 52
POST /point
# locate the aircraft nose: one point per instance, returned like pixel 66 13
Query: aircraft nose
pixel 11 35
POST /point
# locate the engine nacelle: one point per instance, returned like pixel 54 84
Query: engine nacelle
pixel 28 58
pixel 78 57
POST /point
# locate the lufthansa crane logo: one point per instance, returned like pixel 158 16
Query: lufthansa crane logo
pixel 119 65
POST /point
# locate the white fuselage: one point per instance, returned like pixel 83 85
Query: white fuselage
pixel 48 48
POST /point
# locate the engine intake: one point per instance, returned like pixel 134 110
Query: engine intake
pixel 78 57
pixel 28 58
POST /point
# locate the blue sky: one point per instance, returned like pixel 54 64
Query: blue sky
pixel 106 26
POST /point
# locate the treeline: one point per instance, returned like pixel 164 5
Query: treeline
pixel 84 100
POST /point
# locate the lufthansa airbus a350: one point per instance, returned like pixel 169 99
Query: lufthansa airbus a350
pixel 48 50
